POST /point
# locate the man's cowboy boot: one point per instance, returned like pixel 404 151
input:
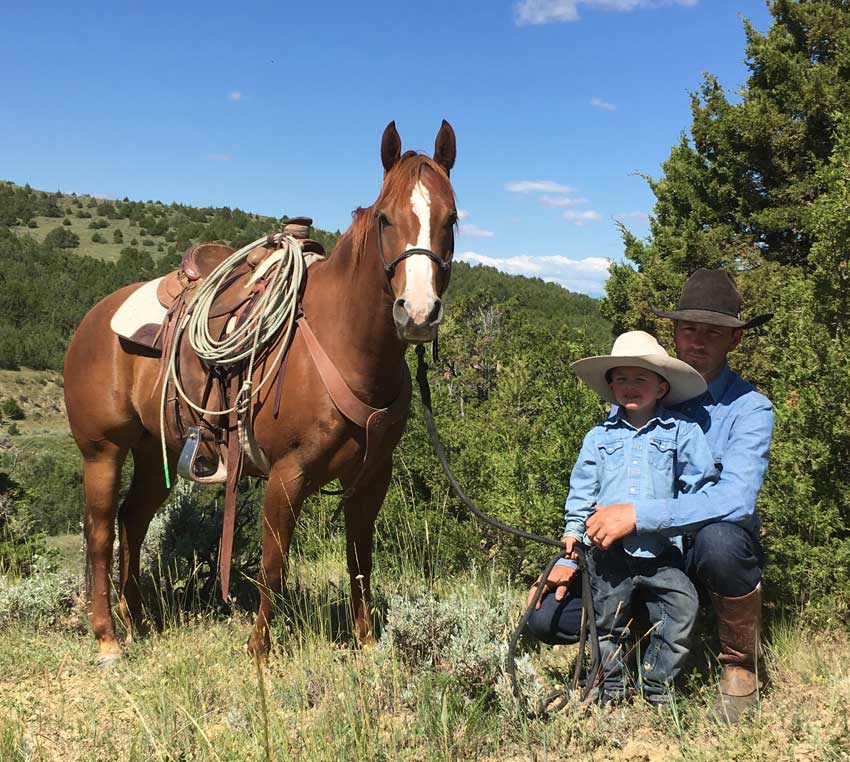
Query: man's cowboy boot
pixel 742 676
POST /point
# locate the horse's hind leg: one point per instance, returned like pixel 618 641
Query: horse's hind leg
pixel 101 479
pixel 361 510
pixel 147 493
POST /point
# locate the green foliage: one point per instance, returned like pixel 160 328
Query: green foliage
pixel 10 408
pixel 98 238
pixel 41 600
pixel 461 636
pixel 21 544
pixel 53 484
pixel 61 238
pixel 182 545
pixel 762 188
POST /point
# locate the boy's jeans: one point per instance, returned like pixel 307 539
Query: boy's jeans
pixel 671 602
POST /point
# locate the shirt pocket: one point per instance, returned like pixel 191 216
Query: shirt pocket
pixel 611 454
pixel 661 454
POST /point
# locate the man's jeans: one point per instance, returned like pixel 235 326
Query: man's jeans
pixel 671 602
pixel 723 558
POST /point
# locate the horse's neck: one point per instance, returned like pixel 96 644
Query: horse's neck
pixel 350 309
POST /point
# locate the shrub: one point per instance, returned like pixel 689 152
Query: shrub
pixel 61 238
pixel 42 600
pixel 98 238
pixel 463 635
pixel 11 409
pixel 32 224
pixel 21 545
pixel 66 222
pixel 182 543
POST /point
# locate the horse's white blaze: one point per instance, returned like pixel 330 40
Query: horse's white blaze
pixel 419 293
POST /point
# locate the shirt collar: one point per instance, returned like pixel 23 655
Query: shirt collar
pixel 663 417
pixel 720 383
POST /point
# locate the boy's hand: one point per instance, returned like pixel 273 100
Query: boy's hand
pixel 569 543
pixel 610 523
pixel 559 580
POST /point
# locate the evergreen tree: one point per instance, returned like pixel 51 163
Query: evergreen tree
pixel 762 188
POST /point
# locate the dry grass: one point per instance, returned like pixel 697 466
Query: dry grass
pixel 191 693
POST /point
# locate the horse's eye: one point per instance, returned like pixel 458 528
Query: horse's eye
pixel 451 220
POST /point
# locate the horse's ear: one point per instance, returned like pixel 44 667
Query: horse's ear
pixel 445 149
pixel 390 147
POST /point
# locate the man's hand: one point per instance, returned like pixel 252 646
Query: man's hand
pixel 610 523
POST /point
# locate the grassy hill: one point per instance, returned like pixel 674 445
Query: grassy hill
pixel 60 253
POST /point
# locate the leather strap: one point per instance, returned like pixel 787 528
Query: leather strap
pixel 375 420
pixel 344 399
pixel 234 463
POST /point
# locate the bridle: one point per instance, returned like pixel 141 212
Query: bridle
pixel 444 265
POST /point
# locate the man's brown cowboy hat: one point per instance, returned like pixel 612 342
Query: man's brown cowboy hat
pixel 711 296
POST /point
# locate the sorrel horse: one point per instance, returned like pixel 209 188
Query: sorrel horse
pixel 377 292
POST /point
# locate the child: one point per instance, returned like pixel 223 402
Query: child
pixel 642 450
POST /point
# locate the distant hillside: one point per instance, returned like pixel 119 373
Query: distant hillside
pixel 44 292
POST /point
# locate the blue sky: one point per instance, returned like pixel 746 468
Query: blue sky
pixel 278 108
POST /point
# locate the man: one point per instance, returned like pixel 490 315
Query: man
pixel 725 555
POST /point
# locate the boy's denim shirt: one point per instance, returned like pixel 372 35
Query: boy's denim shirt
pixel 668 456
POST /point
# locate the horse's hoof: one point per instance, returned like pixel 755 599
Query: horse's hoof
pixel 108 655
pixel 107 661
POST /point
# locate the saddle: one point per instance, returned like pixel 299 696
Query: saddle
pixel 201 259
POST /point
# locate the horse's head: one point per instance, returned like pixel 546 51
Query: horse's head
pixel 414 219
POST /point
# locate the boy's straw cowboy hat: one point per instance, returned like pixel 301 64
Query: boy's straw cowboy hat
pixel 711 296
pixel 639 349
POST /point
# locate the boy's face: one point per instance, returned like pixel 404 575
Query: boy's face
pixel 637 389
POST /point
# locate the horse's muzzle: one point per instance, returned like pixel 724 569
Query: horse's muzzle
pixel 416 331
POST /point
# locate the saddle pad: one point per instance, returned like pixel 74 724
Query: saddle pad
pixel 139 318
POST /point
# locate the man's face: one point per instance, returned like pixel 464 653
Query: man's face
pixel 704 347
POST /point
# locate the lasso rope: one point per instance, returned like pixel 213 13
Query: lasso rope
pixel 275 307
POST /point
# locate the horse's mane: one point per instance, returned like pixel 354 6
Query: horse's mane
pixel 407 170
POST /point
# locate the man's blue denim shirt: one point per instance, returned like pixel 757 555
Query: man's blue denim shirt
pixel 666 457
pixel 738 423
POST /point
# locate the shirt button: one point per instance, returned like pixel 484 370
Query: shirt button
pixel 634 462
pixel 632 489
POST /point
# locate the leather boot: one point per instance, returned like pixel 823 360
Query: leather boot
pixel 742 675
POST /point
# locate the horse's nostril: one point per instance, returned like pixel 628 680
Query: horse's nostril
pixel 436 314
pixel 400 314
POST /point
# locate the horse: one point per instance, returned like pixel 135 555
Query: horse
pixel 379 291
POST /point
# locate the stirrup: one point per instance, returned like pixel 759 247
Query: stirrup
pixel 191 467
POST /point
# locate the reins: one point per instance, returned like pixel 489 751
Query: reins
pixel 588 635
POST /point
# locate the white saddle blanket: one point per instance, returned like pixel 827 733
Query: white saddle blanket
pixel 141 308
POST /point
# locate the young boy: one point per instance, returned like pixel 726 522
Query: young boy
pixel 641 450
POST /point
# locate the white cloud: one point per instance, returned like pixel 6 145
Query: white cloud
pixel 599 103
pixel 219 157
pixel 580 218
pixel 586 276
pixel 234 95
pixel 641 218
pixel 462 214
pixel 471 230
pixel 529 12
pixel 525 186
pixel 555 201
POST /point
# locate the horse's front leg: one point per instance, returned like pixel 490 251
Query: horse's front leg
pixel 361 510
pixel 281 506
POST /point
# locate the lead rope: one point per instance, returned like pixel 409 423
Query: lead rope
pixel 276 305
pixel 588 635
